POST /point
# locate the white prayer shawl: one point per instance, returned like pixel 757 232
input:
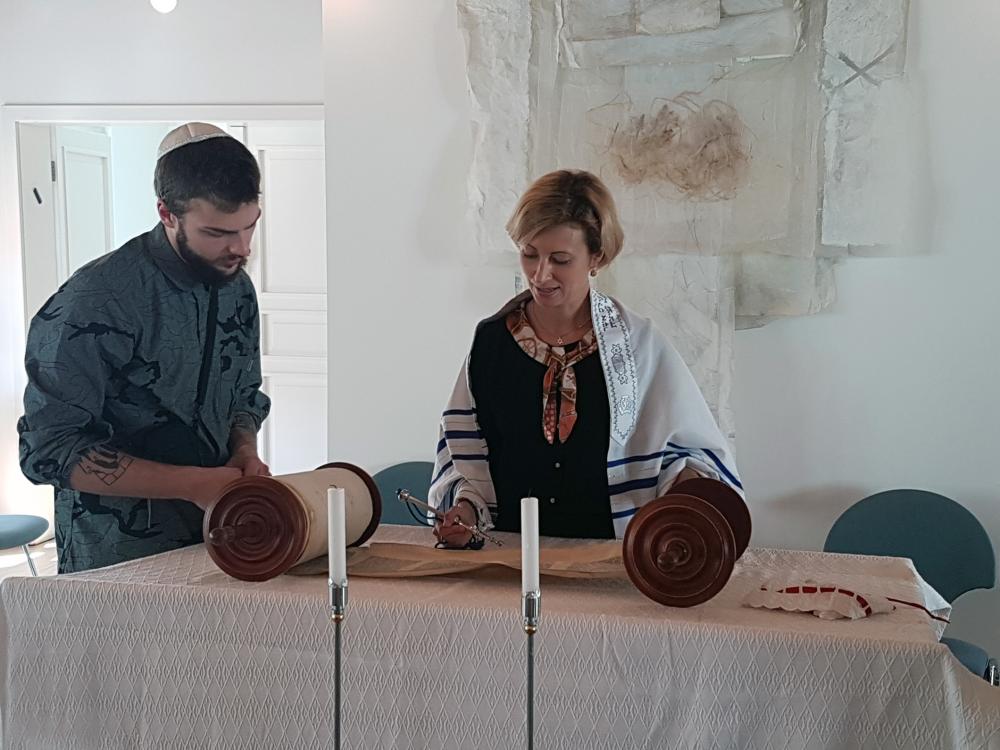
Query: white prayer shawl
pixel 660 422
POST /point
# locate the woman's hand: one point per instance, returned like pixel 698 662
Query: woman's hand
pixel 686 473
pixel 453 535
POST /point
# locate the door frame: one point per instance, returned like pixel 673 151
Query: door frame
pixel 11 251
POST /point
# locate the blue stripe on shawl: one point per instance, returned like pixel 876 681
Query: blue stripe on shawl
pixel 463 435
pixel 718 464
pixel 625 513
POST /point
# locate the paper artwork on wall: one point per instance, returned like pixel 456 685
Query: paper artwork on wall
pixel 750 145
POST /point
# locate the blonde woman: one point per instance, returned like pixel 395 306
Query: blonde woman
pixel 566 395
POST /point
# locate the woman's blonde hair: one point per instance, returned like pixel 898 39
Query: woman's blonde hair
pixel 569 196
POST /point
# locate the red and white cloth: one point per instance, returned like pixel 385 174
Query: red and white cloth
pixel 826 601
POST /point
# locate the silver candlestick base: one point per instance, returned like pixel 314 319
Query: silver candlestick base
pixel 338 609
pixel 338 600
pixel 531 609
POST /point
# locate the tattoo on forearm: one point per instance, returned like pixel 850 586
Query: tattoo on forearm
pixel 106 464
pixel 242 430
pixel 243 421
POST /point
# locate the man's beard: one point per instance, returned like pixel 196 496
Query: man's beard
pixel 201 268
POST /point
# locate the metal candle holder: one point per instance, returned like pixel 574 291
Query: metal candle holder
pixel 531 608
pixel 338 609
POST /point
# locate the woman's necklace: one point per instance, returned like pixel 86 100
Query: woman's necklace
pixel 560 339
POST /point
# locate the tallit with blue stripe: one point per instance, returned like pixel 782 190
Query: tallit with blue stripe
pixel 660 422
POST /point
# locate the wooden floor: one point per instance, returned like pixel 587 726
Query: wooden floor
pixel 13 562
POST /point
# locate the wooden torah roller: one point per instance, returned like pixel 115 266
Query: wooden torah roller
pixel 680 549
pixel 262 526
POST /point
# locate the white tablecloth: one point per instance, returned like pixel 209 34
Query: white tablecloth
pixel 168 652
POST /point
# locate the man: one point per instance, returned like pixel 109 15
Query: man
pixel 143 397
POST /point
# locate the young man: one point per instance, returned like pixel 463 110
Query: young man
pixel 143 397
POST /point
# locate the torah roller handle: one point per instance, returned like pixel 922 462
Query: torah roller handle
pixel 259 527
pixel 680 549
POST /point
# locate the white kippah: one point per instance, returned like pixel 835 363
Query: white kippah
pixel 192 132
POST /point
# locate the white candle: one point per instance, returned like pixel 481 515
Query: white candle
pixel 529 545
pixel 337 538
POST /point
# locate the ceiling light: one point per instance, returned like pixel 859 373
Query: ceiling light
pixel 164 6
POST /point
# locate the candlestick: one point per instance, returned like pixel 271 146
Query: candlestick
pixel 336 514
pixel 531 600
pixel 529 545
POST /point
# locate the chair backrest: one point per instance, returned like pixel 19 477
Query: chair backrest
pixel 414 476
pixel 947 544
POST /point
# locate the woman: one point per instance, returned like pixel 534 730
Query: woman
pixel 566 395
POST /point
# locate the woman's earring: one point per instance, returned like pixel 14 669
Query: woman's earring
pixel 593 273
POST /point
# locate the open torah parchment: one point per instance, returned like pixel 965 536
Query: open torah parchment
pixel 576 559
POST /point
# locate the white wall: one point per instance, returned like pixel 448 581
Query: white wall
pixel 402 304
pixel 123 52
pixel 897 386
pixel 133 148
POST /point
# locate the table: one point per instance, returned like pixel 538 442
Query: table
pixel 169 652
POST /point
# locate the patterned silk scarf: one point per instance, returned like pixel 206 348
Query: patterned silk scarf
pixel 559 377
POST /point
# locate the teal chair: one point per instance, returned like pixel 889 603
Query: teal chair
pixel 17 531
pixel 414 476
pixel 947 544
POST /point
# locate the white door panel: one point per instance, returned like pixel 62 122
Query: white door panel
pixel 83 185
pixel 286 134
pixel 272 365
pixel 273 301
pixel 288 266
pixel 298 403
pixel 294 334
pixel 292 235
pixel 38 215
pixel 87 235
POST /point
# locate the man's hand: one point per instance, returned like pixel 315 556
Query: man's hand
pixel 243 448
pixel 106 471
pixel 247 461
pixel 208 485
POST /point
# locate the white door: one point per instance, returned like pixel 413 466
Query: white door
pixel 65 190
pixel 85 229
pixel 66 212
pixel 288 266
pixel 38 214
